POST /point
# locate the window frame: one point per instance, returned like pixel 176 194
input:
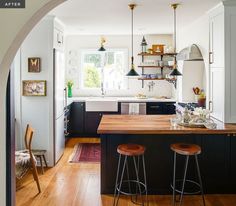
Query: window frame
pixel 83 52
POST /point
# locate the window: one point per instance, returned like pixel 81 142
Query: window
pixel 107 67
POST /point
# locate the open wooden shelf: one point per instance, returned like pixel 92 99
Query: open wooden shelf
pixel 157 67
pixel 168 79
pixel 157 54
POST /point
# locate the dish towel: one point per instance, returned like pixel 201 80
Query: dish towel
pixel 134 108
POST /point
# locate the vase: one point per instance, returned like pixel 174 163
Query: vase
pixel 69 91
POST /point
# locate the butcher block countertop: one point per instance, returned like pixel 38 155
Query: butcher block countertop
pixel 154 124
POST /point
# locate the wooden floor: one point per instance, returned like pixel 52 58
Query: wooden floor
pixel 76 184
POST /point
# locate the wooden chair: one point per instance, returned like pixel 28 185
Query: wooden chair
pixel 28 140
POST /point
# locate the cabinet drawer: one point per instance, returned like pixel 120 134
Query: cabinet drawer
pixel 154 108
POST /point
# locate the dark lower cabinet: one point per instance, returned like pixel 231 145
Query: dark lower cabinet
pixel 86 123
pixel 233 162
pixel 76 119
pixel 215 164
pixel 154 108
pixel 92 120
pixel 169 108
pixel 217 161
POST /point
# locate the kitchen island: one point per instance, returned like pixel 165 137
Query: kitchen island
pixel 217 161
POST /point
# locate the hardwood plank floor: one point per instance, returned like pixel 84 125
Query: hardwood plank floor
pixel 73 184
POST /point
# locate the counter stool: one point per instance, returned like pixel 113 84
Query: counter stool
pixel 136 187
pixel 186 150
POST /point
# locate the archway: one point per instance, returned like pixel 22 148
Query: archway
pixel 15 24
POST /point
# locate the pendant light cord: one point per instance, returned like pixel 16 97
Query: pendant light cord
pixel 175 30
pixel 132 36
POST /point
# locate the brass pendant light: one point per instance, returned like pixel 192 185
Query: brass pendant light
pixel 103 40
pixel 175 71
pixel 132 71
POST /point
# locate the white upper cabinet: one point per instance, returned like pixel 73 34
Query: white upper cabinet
pixel 222 61
pixel 217 40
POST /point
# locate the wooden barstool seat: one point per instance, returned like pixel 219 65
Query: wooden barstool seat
pixel 186 149
pixel 131 149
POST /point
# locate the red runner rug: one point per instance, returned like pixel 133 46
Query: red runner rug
pixel 86 152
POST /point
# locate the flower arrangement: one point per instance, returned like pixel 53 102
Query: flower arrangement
pixel 69 85
pixel 201 113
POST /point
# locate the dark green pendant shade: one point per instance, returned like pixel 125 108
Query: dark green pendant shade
pixel 175 72
pixel 132 73
pixel 102 48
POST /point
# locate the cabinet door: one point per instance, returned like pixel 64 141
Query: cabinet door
pixel 214 162
pixel 217 40
pixel 232 162
pixel 217 93
pixel 169 108
pixel 92 120
pixel 77 118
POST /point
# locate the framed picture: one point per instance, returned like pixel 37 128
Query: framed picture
pixel 34 64
pixel 34 88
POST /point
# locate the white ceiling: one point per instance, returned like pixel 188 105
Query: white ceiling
pixel 114 16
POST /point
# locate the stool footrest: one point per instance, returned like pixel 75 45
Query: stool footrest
pixel 187 192
pixel 143 187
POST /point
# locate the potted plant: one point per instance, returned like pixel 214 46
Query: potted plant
pixel 69 87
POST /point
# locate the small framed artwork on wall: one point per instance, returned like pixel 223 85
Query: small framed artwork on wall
pixel 34 64
pixel 34 88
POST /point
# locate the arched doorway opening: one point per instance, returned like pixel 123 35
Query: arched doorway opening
pixel 13 36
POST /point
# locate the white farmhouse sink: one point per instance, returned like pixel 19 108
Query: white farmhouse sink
pixel 101 104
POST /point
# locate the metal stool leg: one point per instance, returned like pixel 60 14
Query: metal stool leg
pixel 136 196
pixel 138 181
pixel 145 179
pixel 185 172
pixel 128 179
pixel 117 176
pixel 120 182
pixel 173 201
pixel 200 179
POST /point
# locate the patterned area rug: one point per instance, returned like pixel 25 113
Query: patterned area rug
pixel 86 152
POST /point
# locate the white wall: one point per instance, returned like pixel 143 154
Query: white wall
pixel 78 42
pixel 197 33
pixel 36 111
pixel 19 23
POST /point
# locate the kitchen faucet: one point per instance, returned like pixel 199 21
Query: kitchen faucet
pixel 102 89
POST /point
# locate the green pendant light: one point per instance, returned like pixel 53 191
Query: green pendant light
pixel 132 71
pixel 103 40
pixel 175 71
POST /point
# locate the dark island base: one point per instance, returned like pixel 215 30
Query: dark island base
pixel 217 161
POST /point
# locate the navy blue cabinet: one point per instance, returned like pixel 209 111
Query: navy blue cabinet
pixel 92 120
pixel 76 119
pixel 154 108
pixel 86 123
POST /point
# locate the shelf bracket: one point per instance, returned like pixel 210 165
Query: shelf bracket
pixel 173 81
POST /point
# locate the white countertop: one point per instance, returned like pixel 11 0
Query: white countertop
pixel 119 99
